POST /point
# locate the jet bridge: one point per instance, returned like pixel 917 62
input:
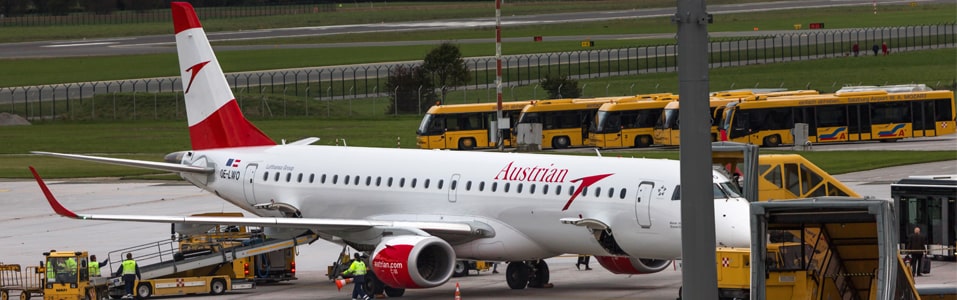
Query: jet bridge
pixel 848 249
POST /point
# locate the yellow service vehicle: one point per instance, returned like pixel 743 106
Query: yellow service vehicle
pixel 787 279
pixel 27 281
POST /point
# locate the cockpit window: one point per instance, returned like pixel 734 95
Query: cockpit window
pixel 731 189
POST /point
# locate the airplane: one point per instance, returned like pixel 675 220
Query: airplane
pixel 415 212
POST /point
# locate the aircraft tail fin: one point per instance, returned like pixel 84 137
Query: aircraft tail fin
pixel 215 119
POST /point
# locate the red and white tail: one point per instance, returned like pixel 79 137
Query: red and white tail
pixel 215 120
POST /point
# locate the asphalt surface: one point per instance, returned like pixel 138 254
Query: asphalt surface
pixel 165 43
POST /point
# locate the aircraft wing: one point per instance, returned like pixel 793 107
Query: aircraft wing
pixel 446 230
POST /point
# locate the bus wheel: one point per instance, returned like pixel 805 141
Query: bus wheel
pixel 643 141
pixel 466 144
pixel 772 141
pixel 560 142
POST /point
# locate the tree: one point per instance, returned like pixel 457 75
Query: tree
pixel 446 67
pixel 561 87
pixel 405 85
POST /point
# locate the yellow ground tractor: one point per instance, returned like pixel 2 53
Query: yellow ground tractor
pixel 786 279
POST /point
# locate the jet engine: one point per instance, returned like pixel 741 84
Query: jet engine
pixel 631 265
pixel 411 261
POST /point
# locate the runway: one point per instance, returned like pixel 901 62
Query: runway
pixel 30 228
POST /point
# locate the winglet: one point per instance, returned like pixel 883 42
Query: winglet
pixel 57 207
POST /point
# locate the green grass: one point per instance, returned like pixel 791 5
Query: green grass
pixel 356 13
pixel 23 72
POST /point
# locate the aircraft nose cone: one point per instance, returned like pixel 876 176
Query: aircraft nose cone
pixel 732 223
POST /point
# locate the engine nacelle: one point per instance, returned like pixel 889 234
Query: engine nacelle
pixel 410 261
pixel 631 265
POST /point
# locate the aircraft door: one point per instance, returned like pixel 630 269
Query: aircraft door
pixel 643 204
pixel 453 187
pixel 248 189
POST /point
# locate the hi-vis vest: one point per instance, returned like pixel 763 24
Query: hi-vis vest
pixel 51 273
pixel 95 268
pixel 358 267
pixel 129 267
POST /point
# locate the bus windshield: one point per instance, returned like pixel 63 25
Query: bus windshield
pixel 726 121
pixel 606 122
pixel 669 119
pixel 431 125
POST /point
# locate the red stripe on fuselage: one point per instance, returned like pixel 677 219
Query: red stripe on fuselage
pixel 227 128
pixel 184 16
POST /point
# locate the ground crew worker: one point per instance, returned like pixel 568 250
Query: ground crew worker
pixel 71 268
pixel 51 272
pixel 94 267
pixel 358 269
pixel 130 272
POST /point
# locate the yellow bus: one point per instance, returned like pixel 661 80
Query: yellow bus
pixel 628 122
pixel 854 114
pixel 564 122
pixel 666 129
pixel 464 126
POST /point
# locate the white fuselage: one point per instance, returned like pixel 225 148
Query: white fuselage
pixel 521 196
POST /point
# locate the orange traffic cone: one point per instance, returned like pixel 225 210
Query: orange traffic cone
pixel 458 295
pixel 342 282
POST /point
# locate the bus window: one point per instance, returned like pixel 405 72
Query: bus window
pixel 831 116
pixel 791 178
pixel 886 113
pixel 431 125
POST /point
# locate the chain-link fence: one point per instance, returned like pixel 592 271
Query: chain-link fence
pixel 320 91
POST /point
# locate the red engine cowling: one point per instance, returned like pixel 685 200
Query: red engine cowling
pixel 410 261
pixel 631 265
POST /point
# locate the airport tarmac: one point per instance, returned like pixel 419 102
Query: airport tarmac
pixel 30 228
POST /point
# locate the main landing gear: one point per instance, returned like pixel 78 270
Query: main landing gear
pixel 530 273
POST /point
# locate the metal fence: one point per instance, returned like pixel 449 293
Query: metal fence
pixel 328 85
pixel 112 16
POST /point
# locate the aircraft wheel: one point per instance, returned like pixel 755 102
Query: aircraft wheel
pixel 643 141
pixel 540 274
pixel 560 142
pixel 516 275
pixel 466 144
pixel 461 269
pixel 772 141
pixel 144 291
pixel 394 292
pixel 217 287
pixel 373 285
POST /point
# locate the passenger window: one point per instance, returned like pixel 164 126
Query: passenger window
pixel 312 178
pixel 335 179
pixel 368 180
pixel 402 182
pixel 531 189
pixel 518 189
pixel 355 180
pixel 322 179
pixel 545 190
pixel 468 185
pixel 558 189
pixel 481 186
pixel 426 185
pixel 441 182
pixel 346 182
pixel 506 187
pixel 288 177
pixel 571 190
pixel 389 182
pixel 378 181
pixel 413 182
pixel 455 184
pixel 276 177
pixel 494 186
pixel 265 176
pixel 597 192
pixel 621 194
pixel 299 177
pixel 611 192
pixel 585 191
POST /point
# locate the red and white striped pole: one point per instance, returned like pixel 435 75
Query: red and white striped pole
pixel 498 72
